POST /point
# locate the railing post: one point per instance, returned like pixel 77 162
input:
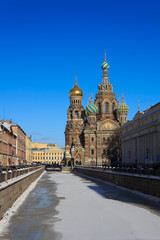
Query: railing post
pixel 5 176
pixel 10 174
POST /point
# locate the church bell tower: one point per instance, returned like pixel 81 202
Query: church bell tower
pixel 75 115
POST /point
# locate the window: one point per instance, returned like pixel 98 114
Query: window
pixel 92 151
pixel 76 115
pixel 106 107
pixel 104 140
pixel 92 139
pixel 129 154
pixel 147 154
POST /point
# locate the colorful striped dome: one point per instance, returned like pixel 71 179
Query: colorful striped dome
pixel 122 108
pixel 91 108
pixel 105 65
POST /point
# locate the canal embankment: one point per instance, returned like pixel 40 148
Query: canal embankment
pixel 149 185
pixel 14 185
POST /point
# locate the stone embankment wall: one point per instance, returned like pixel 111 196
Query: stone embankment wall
pixel 147 185
pixel 10 191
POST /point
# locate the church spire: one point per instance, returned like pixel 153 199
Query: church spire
pixel 75 78
pixel 118 100
pixel 138 106
pixel 122 96
pixel 91 97
pixel 105 55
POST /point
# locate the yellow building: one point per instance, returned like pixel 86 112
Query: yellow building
pixel 43 145
pixel 28 150
pixel 50 154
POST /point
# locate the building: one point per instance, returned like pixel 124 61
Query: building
pixel 141 138
pixel 51 154
pixel 43 145
pixel 28 150
pixel 88 130
pixel 20 144
pixel 12 144
pixel 7 145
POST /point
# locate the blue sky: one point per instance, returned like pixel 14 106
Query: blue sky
pixel 43 43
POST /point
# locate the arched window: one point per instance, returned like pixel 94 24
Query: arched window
pixel 92 151
pixel 76 115
pixel 99 107
pixel 106 107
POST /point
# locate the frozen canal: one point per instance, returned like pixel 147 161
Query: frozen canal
pixel 66 206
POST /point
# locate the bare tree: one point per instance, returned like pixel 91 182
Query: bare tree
pixel 114 149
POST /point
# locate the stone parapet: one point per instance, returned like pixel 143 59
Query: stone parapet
pixel 9 192
pixel 148 185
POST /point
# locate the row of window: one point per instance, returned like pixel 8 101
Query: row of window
pixel 92 151
pixel 76 101
pixel 106 107
pixel 48 158
pixel 146 155
pixel 75 115
pixel 47 153
pixel 104 139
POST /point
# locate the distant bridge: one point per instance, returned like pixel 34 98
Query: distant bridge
pixel 53 167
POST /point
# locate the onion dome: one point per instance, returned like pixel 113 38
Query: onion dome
pixel 91 107
pixel 122 108
pixel 105 65
pixel 76 91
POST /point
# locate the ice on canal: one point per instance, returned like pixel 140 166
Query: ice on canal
pixel 86 214
pixel 64 206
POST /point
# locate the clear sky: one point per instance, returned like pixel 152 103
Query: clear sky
pixel 44 42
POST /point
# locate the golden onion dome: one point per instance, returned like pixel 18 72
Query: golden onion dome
pixel 76 91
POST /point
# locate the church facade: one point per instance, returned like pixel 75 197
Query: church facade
pixel 88 130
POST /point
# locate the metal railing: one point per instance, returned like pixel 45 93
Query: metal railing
pixel 138 171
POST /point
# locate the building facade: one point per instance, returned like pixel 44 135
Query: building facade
pixel 51 154
pixel 28 150
pixel 12 144
pixel 88 131
pixel 7 145
pixel 141 138
pixel 20 144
